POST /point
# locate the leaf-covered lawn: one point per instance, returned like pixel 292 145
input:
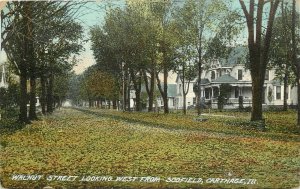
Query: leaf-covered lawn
pixel 108 143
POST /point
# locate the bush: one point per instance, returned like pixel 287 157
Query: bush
pixel 10 125
pixel 275 108
pixel 9 113
pixel 247 109
pixel 260 125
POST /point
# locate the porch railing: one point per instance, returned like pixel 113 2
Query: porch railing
pixel 229 101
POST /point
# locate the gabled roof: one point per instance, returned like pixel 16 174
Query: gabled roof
pixel 236 56
pixel 225 79
pixel 204 81
pixel 171 89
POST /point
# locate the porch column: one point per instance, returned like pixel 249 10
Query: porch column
pixel 212 92
pixel 241 91
pixel 289 92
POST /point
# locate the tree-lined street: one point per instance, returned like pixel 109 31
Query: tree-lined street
pixel 150 94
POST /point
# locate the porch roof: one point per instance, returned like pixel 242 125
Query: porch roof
pixel 225 79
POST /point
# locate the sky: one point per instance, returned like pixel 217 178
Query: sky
pixel 93 13
pixel 95 16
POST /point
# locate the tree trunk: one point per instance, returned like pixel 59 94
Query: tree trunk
pixel 285 94
pixel 128 93
pixel 165 94
pixel 90 103
pixel 114 104
pixel 257 89
pixel 258 49
pixel 160 90
pixel 32 67
pixel 50 94
pixel 199 109
pixel 150 89
pixel 296 62
pixel 124 105
pixel 184 104
pixel 23 97
pixel 199 51
pixel 137 83
pixel 298 78
pixel 43 94
pixel 285 80
pixel 138 100
pixel 183 89
pixel 32 108
pixel 23 68
pixel 138 93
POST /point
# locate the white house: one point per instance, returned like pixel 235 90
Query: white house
pixel 232 71
pixel 171 97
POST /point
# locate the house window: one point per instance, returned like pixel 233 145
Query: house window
pixel 194 100
pixel 171 101
pixel 240 74
pixel 213 75
pixel 206 94
pixel 278 92
pixel 267 75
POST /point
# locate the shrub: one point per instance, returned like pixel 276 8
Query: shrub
pixel 260 125
pixel 10 125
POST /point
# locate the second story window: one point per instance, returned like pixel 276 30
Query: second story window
pixel 240 74
pixel 278 92
pixel 213 75
pixel 267 75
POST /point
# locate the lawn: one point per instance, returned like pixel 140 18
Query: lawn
pixel 126 149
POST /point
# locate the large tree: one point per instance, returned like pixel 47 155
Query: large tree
pixel 259 46
pixel 23 24
pixel 18 45
pixel 281 51
pixel 136 42
pixel 294 55
pixel 201 20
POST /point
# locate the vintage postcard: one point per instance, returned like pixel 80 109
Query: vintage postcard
pixel 150 94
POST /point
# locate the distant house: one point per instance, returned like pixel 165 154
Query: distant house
pixel 172 93
pixel 171 97
pixel 232 71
